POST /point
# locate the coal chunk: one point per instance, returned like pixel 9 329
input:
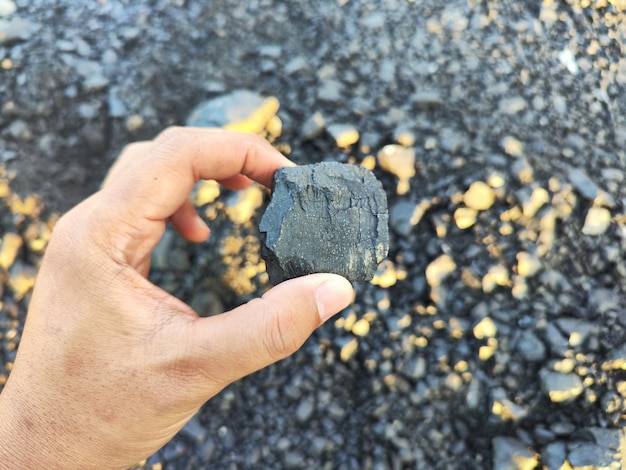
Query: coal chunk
pixel 326 217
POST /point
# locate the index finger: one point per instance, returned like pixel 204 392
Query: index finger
pixel 160 179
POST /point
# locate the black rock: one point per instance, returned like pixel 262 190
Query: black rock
pixel 326 217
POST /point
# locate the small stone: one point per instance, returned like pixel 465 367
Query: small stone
pixel 374 20
pixel 561 388
pixel 427 99
pixel 205 192
pixel 361 327
pixel 9 248
pixel 241 206
pixel 16 29
pixel 241 110
pixel 134 122
pixel 439 270
pixel 330 91
pixel 582 183
pixel 401 216
pixel 497 275
pixel 512 146
pixel 349 350
pixel 485 328
pixel 313 126
pixel 387 275
pixel 305 410
pixel 414 368
pixel 597 221
pixel 512 454
pixel 578 330
pixel 603 452
pixel 194 430
pixel 527 264
pixel 7 7
pixel 326 217
pixel 345 135
pixel 512 105
pixel 480 196
pixel 538 198
pixel 399 161
pixel 530 347
pixel 465 217
pixel 523 171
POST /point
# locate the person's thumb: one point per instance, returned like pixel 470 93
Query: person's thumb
pixel 270 328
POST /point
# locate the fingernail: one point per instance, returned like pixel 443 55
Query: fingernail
pixel 332 296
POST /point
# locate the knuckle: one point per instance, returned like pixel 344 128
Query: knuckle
pixel 282 337
pixel 172 137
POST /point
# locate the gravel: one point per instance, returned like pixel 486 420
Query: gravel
pixel 522 100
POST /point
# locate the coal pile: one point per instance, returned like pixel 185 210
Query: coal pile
pixel 492 336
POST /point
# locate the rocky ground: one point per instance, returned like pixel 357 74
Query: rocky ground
pixel 494 334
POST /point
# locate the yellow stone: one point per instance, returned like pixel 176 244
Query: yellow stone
pixel 245 205
pixel 361 327
pixel 347 137
pixel 597 221
pixel 386 276
pixel 485 328
pixel 512 146
pixel 495 180
pixel 496 276
pixel 258 120
pixel 527 264
pixel 206 192
pixel 480 196
pixel 538 198
pixel 9 248
pixel 565 365
pixel 439 269
pixel 4 188
pixel 275 126
pixel 349 350
pixel 350 321
pixel 21 284
pixel 487 351
pixel 464 217
pixel 399 161
pixel 369 162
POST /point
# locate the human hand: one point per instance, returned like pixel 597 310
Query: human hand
pixel 110 366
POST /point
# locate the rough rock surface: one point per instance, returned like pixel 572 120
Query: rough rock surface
pixel 326 217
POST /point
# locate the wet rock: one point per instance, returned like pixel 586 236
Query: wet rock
pixel 326 217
